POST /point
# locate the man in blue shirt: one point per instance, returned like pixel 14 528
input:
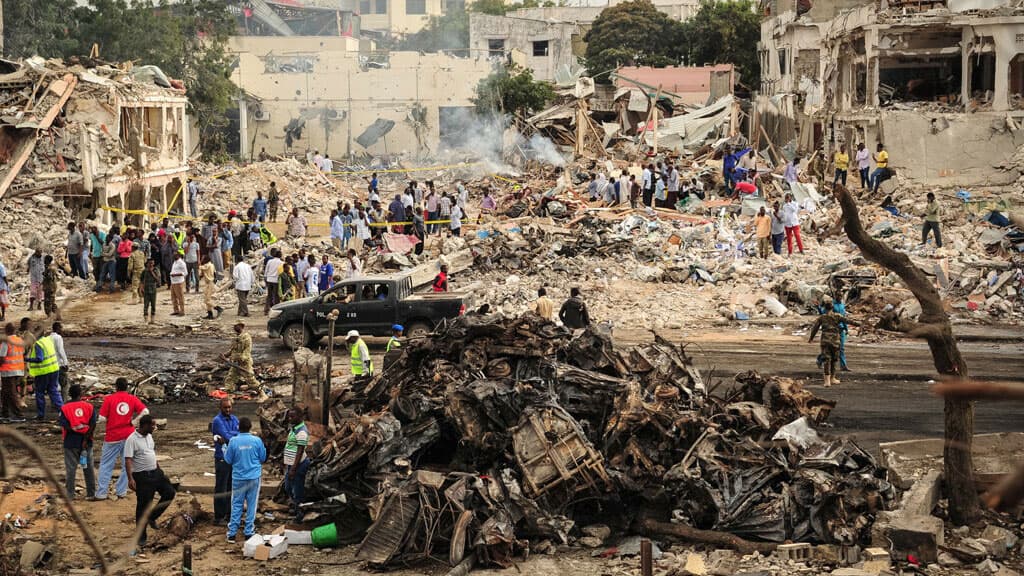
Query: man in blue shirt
pixel 246 455
pixel 259 206
pixel 224 428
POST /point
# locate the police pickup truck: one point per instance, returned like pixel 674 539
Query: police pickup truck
pixel 371 305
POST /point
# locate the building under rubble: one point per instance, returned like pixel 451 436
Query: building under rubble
pixel 100 137
pixel 940 82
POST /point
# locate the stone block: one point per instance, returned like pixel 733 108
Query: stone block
pixel 920 536
pixel 799 552
pixel 876 560
pixel 1001 539
pixel 923 495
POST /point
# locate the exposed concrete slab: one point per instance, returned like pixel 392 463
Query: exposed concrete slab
pixel 923 495
pixel 909 460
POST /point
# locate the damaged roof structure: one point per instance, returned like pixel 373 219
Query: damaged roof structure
pixel 927 79
pixel 97 133
pixel 499 433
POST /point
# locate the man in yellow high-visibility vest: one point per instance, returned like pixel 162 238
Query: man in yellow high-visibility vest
pixel 362 364
pixel 45 370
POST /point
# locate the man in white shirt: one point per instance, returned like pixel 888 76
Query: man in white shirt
pixel 463 198
pixel 179 271
pixel 624 187
pixel 456 220
pixel 145 476
pixel 57 335
pixel 353 266
pixel 244 279
pixel 327 165
pixel 791 220
pixel 271 271
pixel 362 225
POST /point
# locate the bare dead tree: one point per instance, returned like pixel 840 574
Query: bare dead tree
pixel 932 326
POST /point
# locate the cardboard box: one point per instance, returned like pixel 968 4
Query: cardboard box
pixel 272 547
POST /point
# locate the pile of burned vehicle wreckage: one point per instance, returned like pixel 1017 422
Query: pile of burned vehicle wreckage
pixel 495 435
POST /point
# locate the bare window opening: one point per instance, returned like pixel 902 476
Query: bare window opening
pixel 783 62
pixel 983 77
pixel 415 7
pixel 450 6
pixel 364 6
pixel 382 7
pixel 540 48
pixel 860 83
pixel 496 48
pixel 926 79
pixel 1017 82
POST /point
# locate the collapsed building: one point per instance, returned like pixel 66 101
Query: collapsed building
pixel 940 83
pixel 96 134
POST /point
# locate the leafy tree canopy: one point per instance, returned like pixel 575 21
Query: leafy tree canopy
pixel 511 90
pixel 186 40
pixel 633 33
pixel 725 32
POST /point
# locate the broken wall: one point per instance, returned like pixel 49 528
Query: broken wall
pixel 346 92
pixel 949 149
pixel 547 46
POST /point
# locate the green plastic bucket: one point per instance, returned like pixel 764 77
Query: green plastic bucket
pixel 325 536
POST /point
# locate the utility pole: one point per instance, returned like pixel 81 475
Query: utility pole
pixel 325 395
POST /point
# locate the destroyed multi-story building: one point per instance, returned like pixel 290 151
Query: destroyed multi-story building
pixel 324 93
pixel 550 49
pixel 940 82
pixel 112 140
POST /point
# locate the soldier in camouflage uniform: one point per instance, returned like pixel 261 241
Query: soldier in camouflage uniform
pixel 240 356
pixel 50 287
pixel 830 324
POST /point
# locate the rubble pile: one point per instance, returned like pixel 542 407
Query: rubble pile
pixel 301 185
pixel 499 434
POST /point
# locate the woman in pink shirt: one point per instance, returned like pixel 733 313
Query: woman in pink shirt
pixel 124 251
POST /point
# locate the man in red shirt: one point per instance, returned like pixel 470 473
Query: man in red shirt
pixel 78 422
pixel 121 412
pixel 441 280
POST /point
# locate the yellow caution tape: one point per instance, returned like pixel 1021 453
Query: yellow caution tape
pixel 400 170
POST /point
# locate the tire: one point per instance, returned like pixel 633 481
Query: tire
pixel 418 330
pixel 295 336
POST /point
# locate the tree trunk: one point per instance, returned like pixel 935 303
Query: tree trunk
pixel 934 327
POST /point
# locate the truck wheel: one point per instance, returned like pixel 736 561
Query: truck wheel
pixel 418 330
pixel 296 336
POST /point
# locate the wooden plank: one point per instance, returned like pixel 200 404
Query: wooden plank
pixel 28 139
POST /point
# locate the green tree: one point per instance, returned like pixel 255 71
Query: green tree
pixel 633 33
pixel 492 7
pixel 448 32
pixel 511 90
pixel 187 40
pixel 724 32
pixel 34 27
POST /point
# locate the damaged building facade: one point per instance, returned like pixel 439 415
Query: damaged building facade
pixel 107 138
pixel 550 49
pixel 940 83
pixel 331 97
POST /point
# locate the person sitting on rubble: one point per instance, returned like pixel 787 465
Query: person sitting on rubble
pixel 746 187
pixel 881 172
pixel 440 283
pixel 889 206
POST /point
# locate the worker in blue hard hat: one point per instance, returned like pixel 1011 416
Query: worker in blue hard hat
pixel 396 334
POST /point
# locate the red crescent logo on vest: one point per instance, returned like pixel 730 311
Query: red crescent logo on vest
pixel 79 412
pixel 122 408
